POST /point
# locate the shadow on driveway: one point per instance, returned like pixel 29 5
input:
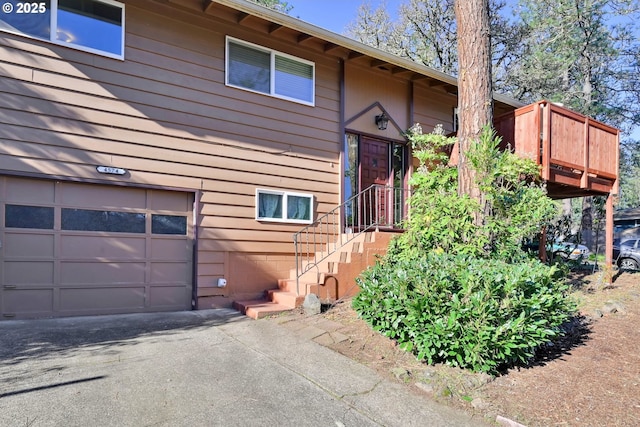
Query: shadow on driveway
pixel 44 338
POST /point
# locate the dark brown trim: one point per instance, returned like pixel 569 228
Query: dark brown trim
pixel 47 177
pixel 304 37
pixel 378 63
pixel 241 17
pixel 368 109
pixel 194 258
pixel 274 27
pixel 376 137
pixel 328 47
pixel 343 134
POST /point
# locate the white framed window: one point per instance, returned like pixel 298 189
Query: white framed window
pixel 284 206
pixel 95 26
pixel 266 71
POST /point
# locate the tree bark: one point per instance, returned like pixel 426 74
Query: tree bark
pixel 475 97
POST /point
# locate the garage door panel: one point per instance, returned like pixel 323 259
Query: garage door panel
pixel 169 272
pixel 28 272
pixel 28 245
pixel 167 201
pixel 100 273
pixel 27 301
pixel 102 299
pixel 98 196
pixel 30 191
pixel 89 247
pixel 170 249
pixel 169 297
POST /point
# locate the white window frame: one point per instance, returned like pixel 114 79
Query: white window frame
pixel 54 29
pixel 272 83
pixel 285 196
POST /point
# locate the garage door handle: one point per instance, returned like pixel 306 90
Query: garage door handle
pixel 10 286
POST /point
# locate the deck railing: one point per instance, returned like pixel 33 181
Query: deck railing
pixel 573 150
pixel 378 206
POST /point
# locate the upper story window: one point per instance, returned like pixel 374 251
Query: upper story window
pixel 95 26
pixel 266 71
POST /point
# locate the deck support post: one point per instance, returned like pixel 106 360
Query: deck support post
pixel 608 246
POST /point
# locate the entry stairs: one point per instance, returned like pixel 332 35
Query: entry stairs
pixel 331 279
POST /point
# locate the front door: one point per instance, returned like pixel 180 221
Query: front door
pixel 374 169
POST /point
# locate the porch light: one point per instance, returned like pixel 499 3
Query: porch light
pixel 381 121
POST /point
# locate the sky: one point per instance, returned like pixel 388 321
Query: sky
pixel 334 15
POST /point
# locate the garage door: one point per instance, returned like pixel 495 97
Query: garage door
pixel 78 249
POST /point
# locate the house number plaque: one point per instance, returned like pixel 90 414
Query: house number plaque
pixel 111 170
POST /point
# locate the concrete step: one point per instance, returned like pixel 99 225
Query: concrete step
pixel 289 285
pixel 257 309
pixel 286 298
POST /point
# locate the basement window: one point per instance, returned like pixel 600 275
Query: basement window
pixel 258 69
pixel 95 26
pixel 284 206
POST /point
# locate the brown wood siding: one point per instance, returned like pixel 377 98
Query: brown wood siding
pixel 165 115
pixel 366 86
pixel 433 106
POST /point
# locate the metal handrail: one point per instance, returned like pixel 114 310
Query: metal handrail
pixel 375 207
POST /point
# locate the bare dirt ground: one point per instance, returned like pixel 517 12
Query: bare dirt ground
pixel 591 378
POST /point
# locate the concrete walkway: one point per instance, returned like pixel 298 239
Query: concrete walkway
pixel 201 368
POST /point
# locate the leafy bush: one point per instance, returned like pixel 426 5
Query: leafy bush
pixel 464 311
pixel 465 294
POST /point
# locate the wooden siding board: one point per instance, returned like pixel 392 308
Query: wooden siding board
pixel 209 257
pixel 173 162
pixel 15 71
pixel 19 124
pixel 157 119
pixel 245 246
pixel 61 119
pixel 236 235
pixel 85 163
pixel 249 223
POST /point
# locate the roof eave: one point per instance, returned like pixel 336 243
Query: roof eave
pixel 350 44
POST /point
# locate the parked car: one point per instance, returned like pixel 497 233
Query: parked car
pixel 627 254
pixel 564 250
pixel 569 250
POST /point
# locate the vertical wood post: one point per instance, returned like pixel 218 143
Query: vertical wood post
pixel 544 113
pixel 608 247
pixel 584 181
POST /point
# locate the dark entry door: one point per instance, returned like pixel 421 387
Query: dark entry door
pixel 374 169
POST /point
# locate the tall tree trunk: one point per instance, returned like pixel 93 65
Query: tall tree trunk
pixel 475 97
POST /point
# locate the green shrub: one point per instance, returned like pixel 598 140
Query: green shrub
pixel 469 312
pixel 462 293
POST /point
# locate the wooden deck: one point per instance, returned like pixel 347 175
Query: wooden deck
pixel 578 156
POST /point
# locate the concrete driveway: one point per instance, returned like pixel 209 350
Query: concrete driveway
pixel 200 368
